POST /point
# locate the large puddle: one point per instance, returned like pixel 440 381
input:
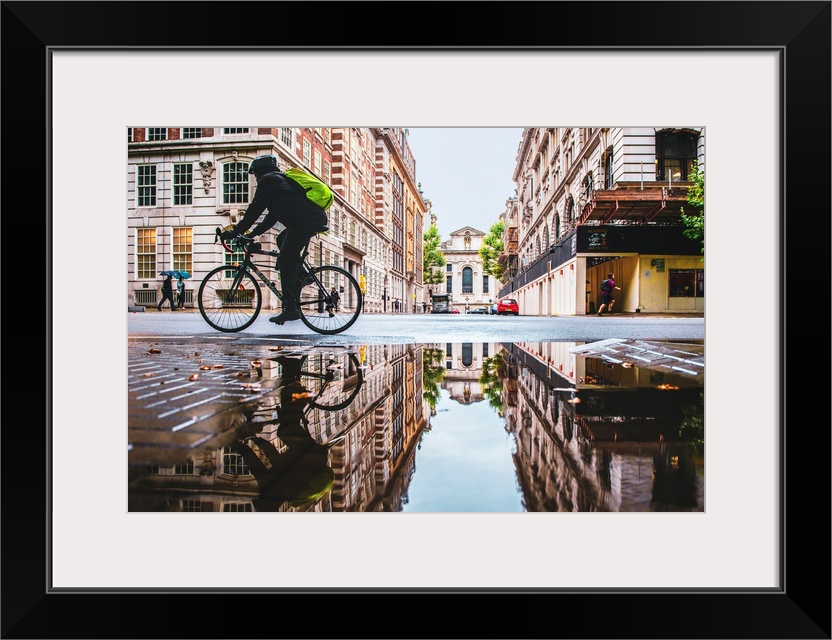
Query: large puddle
pixel 615 425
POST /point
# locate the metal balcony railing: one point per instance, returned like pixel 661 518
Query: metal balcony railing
pixel 151 297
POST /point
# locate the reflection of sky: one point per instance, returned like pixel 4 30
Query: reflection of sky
pixel 464 463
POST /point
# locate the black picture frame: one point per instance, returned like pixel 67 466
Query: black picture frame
pixel 799 609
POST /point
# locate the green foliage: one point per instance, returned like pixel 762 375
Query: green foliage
pixel 433 259
pixel 492 247
pixel 433 372
pixel 695 221
pixel 491 381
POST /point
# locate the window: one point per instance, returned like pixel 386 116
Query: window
pixel 307 152
pixel 675 155
pixel 326 170
pixel 485 283
pixel 146 254
pixel 449 268
pixel 146 185
pixel 236 507
pixel 354 190
pixel 228 130
pixel 233 463
pixel 335 222
pixel 183 183
pixel 195 506
pixel 129 134
pixel 234 182
pixel 448 349
pixel 484 349
pixel 183 243
pixel 467 280
pixel 155 133
pixel 316 167
pixel 189 133
pixel 449 284
pixel 686 283
pixel 286 136
pixel 184 469
pixel 467 354
pixel 608 169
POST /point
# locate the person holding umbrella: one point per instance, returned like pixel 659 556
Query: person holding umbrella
pixel 167 293
pixel 180 291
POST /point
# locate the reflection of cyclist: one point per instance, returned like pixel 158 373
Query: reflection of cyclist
pixel 287 203
pixel 301 472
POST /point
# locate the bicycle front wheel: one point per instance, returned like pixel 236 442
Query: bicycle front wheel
pixel 226 309
pixel 333 380
pixel 324 312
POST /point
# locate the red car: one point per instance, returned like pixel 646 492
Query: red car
pixel 508 306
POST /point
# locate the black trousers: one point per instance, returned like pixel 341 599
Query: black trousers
pixel 291 242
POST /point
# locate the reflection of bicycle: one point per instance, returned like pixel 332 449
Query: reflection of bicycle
pixel 332 381
pixel 230 297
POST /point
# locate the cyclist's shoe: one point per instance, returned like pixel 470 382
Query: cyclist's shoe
pixel 286 316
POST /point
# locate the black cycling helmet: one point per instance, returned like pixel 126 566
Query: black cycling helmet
pixel 262 164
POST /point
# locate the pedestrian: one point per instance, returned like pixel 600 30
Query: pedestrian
pixel 336 297
pixel 607 287
pixel 286 202
pixel 167 293
pixel 180 292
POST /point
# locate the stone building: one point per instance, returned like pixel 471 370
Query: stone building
pixel 593 201
pixel 465 279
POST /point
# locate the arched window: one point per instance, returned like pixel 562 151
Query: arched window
pixel 557 225
pixel 467 354
pixel 467 280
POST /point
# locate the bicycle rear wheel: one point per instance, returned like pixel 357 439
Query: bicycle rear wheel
pixel 226 310
pixel 318 308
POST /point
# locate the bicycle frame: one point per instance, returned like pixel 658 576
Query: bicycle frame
pixel 248 265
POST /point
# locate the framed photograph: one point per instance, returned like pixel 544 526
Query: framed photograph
pixel 756 75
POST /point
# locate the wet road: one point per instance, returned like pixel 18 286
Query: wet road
pixel 418 328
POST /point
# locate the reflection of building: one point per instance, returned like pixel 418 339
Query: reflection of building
pixel 463 368
pixel 594 201
pixel 624 443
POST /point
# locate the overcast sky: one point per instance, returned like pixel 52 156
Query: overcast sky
pixel 466 173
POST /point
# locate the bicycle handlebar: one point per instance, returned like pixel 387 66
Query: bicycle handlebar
pixel 239 239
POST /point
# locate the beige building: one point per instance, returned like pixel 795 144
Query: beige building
pixel 465 279
pixel 593 201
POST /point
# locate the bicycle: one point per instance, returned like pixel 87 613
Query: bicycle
pixel 230 297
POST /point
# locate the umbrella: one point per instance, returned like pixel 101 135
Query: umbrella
pixel 176 273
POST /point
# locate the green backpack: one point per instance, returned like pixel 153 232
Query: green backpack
pixel 317 191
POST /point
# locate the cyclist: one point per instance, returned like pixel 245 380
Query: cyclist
pixel 286 203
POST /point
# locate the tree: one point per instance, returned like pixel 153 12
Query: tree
pixel 433 257
pixel 490 379
pixel 695 222
pixel 492 247
pixel 433 372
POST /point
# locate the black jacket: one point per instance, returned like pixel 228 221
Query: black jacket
pixel 286 203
